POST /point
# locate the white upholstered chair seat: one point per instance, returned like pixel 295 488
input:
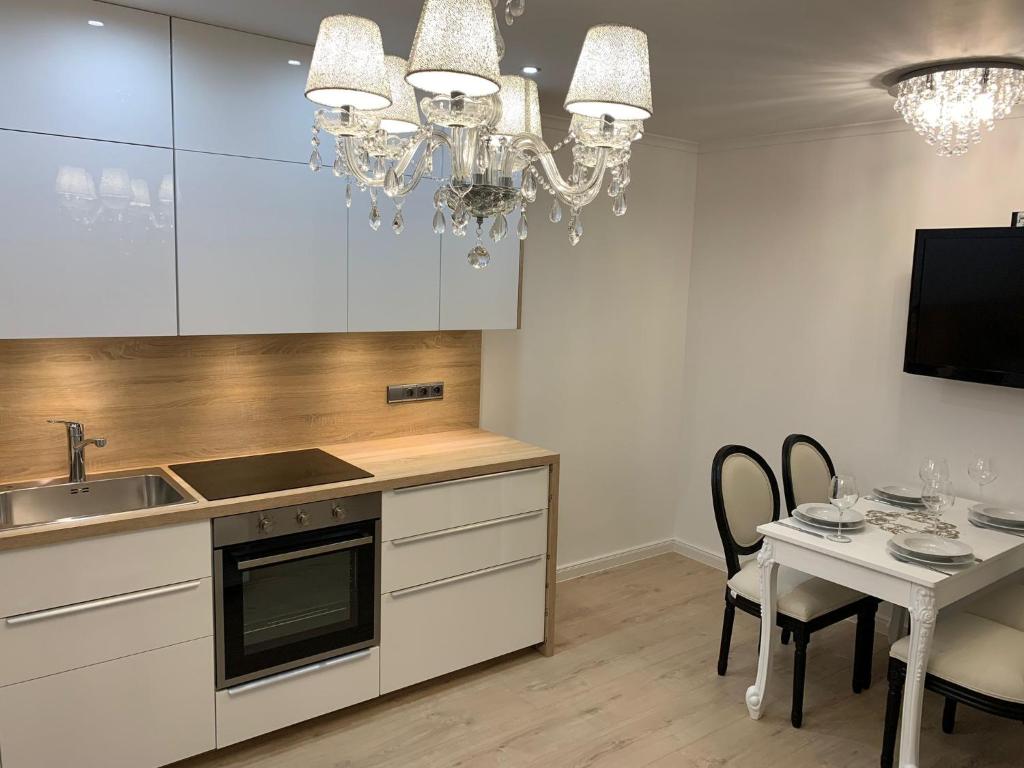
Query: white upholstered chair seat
pixel 800 596
pixel 1005 605
pixel 976 653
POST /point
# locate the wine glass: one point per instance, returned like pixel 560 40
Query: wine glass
pixel 843 493
pixel 982 470
pixel 937 495
pixel 934 468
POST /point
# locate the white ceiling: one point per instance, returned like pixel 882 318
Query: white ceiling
pixel 722 68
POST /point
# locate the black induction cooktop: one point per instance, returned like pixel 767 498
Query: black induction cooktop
pixel 266 473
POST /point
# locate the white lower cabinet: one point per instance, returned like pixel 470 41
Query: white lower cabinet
pixel 436 628
pixel 265 705
pixel 140 711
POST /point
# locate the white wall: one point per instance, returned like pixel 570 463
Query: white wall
pixel 596 372
pixel 798 302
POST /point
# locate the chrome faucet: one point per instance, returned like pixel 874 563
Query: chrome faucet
pixel 76 448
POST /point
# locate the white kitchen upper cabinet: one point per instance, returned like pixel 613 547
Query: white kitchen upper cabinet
pixel 62 72
pixel 261 247
pixel 394 280
pixel 87 240
pixel 236 93
pixel 485 298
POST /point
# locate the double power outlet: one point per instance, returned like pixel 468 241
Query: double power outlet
pixel 404 393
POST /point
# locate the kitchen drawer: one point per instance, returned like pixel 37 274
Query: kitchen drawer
pixel 265 705
pixel 58 639
pixel 424 508
pixel 88 569
pixel 436 628
pixel 438 554
pixel 141 711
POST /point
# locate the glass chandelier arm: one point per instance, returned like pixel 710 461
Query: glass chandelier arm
pixel 352 165
pixel 534 147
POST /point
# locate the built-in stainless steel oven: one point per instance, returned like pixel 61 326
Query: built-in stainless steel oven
pixel 295 585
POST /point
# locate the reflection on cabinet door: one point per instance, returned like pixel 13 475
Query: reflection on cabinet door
pixel 261 247
pixel 60 73
pixel 87 240
pixel 394 280
pixel 485 298
pixel 237 94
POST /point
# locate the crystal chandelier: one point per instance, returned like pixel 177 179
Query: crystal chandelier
pixel 950 103
pixel 488 124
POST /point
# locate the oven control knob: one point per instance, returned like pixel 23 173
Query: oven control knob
pixel 337 511
pixel 265 525
pixel 301 518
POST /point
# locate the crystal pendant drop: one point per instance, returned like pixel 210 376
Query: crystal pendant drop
pixel 499 228
pixel 374 217
pixel 575 228
pixel 619 207
pixel 517 7
pixel 391 184
pixel 479 257
pixel 314 159
pixel 459 221
pixel 439 198
pixel 339 164
pixel 438 222
pixel 509 18
pixel 556 212
pixel 398 223
pixel 529 189
pixel 348 194
pixel 523 229
pixel 614 188
pixel 624 176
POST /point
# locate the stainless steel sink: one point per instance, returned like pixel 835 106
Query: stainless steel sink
pixel 104 495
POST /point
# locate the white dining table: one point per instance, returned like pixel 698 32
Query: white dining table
pixel 864 565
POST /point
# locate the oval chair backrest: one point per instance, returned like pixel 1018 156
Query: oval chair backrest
pixel 745 495
pixel 807 471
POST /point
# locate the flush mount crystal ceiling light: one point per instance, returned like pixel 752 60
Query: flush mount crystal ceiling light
pixel 949 103
pixel 489 122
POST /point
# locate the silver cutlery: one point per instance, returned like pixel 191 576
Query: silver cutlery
pixel 802 530
pixel 921 565
pixel 899 504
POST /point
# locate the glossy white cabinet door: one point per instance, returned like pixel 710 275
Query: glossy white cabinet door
pixel 236 94
pixel 485 298
pixel 87 241
pixel 261 247
pixel 59 74
pixel 394 280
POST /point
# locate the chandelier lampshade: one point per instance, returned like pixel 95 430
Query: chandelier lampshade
pixel 950 103
pixel 455 49
pixel 348 65
pixel 520 107
pixel 403 115
pixel 613 75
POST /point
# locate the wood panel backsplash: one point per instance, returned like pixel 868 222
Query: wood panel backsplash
pixel 159 400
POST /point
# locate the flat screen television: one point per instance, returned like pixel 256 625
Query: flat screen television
pixel 966 318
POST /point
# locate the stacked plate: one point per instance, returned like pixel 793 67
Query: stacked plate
pixel 827 517
pixel 900 495
pixel 929 549
pixel 997 518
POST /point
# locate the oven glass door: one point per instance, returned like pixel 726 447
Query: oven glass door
pixel 295 599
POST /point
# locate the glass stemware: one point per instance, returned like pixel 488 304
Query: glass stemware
pixel 982 470
pixel 843 494
pixel 937 496
pixel 934 468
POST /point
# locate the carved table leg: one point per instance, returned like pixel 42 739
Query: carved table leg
pixel 757 693
pixel 922 629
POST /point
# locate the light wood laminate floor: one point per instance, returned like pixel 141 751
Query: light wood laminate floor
pixel 633 683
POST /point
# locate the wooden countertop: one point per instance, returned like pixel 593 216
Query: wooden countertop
pixel 395 463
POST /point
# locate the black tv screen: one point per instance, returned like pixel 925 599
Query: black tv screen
pixel 966 317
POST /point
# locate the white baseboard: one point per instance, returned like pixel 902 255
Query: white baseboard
pixel 633 554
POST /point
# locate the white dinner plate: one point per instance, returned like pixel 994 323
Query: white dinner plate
pixel 901 493
pixel 914 559
pixel 934 549
pixel 1001 516
pixel 985 522
pixel 828 516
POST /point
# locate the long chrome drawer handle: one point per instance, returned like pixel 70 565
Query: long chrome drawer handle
pixel 463 528
pixel 67 610
pixel 423 486
pixel 300 672
pixel 444 582
pixel 284 557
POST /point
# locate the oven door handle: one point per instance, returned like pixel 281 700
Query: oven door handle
pixel 284 557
